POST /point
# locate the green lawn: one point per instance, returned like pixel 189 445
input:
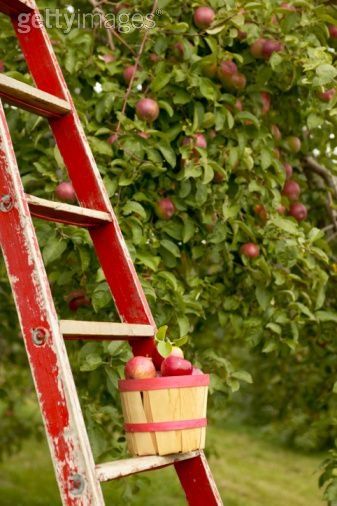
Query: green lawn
pixel 249 472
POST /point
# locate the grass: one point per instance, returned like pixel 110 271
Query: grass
pixel 249 472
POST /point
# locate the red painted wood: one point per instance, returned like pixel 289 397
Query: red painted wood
pixel 164 382
pixel 197 481
pixel 196 423
pixel 36 311
pixel 12 7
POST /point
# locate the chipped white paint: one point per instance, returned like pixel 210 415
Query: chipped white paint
pixel 119 468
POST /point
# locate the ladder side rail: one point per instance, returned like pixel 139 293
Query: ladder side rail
pixel 109 243
pixel 57 396
pixel 197 480
pixel 14 7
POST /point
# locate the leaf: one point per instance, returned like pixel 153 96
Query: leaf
pixel 161 80
pixel 92 362
pixel 53 250
pixel 189 230
pixel 168 153
pixel 151 261
pixel 326 316
pixel 184 325
pixel 171 247
pixel 263 296
pixel 161 333
pixel 101 296
pixel 134 207
pixel 242 376
pixel 326 73
pixel 164 348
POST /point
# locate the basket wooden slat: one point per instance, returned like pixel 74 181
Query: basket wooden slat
pixel 166 405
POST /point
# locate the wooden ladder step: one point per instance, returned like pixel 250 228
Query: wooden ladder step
pixel 66 213
pixel 32 99
pixel 105 331
pixel 13 7
pixel 119 468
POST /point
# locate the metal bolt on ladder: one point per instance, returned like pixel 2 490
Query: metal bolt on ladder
pixel 77 475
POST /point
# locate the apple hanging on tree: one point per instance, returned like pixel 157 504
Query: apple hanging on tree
pixel 65 192
pixel 203 17
pixel 165 209
pixel 147 109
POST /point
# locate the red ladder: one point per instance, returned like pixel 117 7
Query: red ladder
pixel 77 475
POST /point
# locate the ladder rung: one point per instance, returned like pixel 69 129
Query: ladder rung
pixel 65 213
pixel 32 99
pixel 107 331
pixel 119 468
pixel 12 7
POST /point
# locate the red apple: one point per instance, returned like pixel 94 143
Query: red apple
pixel 257 47
pixel 147 109
pixel 333 31
pixel 112 139
pixel 250 250
pixel 281 209
pixel 65 192
pixel 218 177
pixel 176 366
pixel 176 352
pixel 196 372
pixel 165 209
pixel 291 190
pixel 238 81
pixel 288 170
pixel 129 72
pixel 77 299
pixel 140 368
pixel 107 58
pixel 144 135
pixel 154 57
pixel 198 141
pixel 327 95
pixel 227 69
pixel 238 105
pixel 266 102
pixel 2 66
pixel 261 211
pixel 294 144
pixel 276 132
pixel 178 49
pixel 271 46
pixel 203 17
pixel 298 211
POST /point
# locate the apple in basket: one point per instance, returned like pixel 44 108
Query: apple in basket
pixel 140 368
pixel 176 366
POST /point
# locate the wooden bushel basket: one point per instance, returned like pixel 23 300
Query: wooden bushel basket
pixel 166 414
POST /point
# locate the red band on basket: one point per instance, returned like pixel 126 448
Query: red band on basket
pixel 165 426
pixel 161 383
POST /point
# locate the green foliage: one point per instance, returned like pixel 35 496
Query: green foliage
pixel 273 315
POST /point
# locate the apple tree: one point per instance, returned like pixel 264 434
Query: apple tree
pixel 213 127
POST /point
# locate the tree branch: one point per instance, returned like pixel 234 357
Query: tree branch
pixel 111 32
pixel 312 165
pixel 136 66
